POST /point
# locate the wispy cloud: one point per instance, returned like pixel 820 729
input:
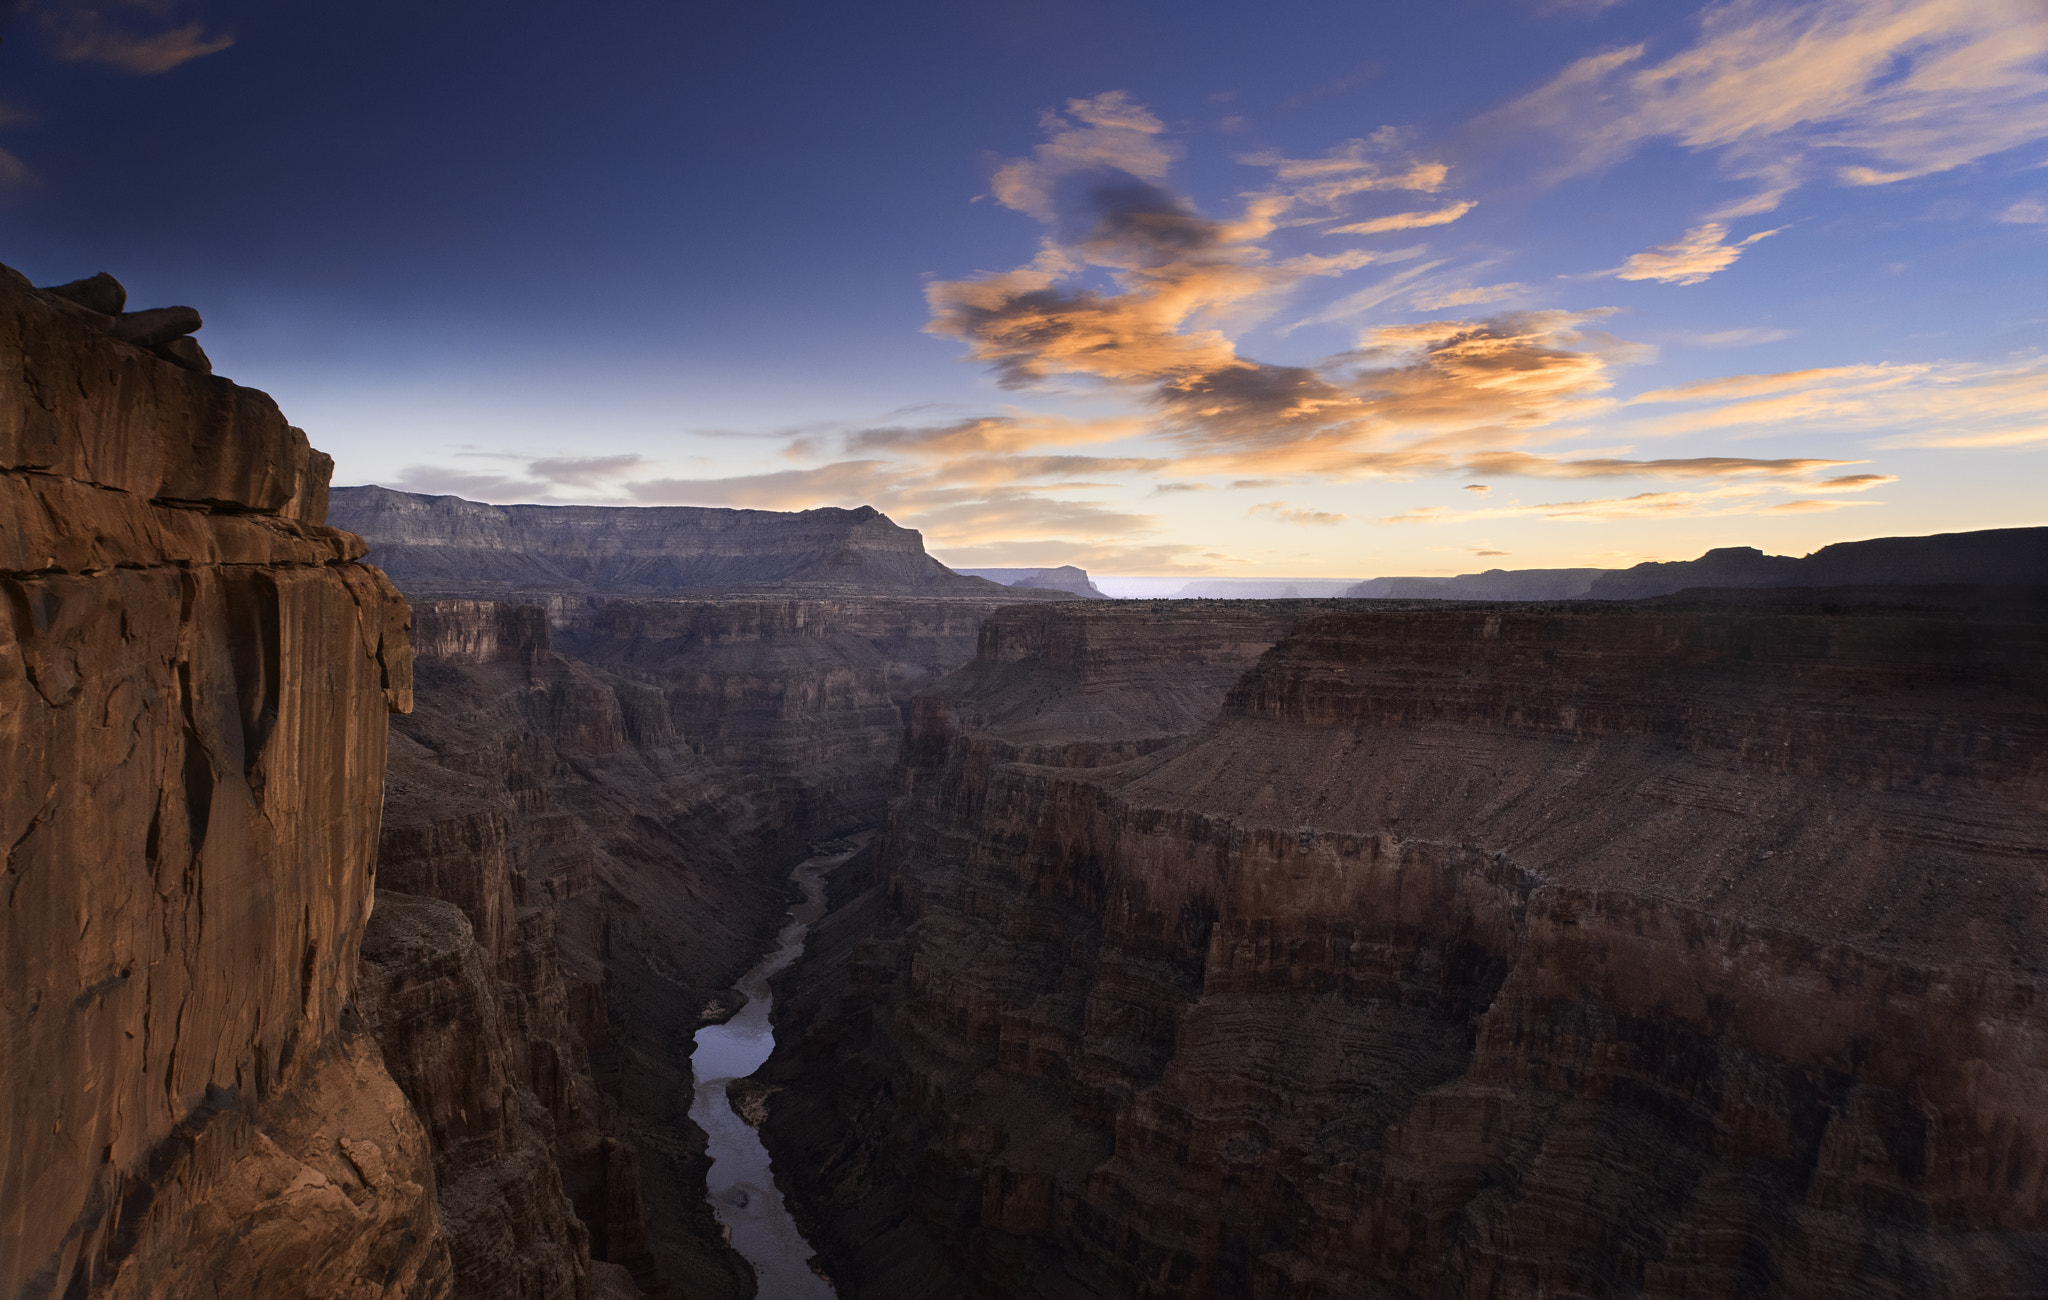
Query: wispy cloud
pixel 1287 512
pixel 1405 220
pixel 1642 505
pixel 93 33
pixel 1691 259
pixel 1933 404
pixel 1875 91
pixel 1740 338
pixel 1444 299
pixel 1505 463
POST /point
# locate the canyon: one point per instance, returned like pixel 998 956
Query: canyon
pixel 375 860
pixel 629 725
pixel 1689 947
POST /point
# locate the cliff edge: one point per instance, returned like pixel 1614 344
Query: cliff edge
pixel 195 675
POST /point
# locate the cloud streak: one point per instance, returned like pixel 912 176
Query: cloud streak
pixel 1406 220
pixel 88 33
pixel 1689 260
pixel 1874 91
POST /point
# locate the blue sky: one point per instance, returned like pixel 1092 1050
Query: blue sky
pixel 1152 288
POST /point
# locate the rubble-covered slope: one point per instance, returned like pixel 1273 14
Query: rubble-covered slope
pixel 194 681
pixel 1600 950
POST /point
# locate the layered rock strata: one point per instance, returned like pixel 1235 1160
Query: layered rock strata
pixel 629 775
pixel 605 806
pixel 446 546
pixel 194 681
pixel 1601 950
pixel 565 890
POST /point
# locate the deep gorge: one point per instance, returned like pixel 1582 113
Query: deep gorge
pixel 1681 946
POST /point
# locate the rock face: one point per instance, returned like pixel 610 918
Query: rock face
pixel 445 546
pixel 1596 950
pixel 194 682
pixel 1066 577
pixel 461 1043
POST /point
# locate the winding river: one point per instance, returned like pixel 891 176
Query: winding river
pixel 742 1190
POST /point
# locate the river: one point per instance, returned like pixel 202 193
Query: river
pixel 742 1190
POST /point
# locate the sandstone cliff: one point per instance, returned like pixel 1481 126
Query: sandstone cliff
pixel 194 682
pixel 1594 950
pixel 446 546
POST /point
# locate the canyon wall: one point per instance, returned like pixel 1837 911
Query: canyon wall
pixel 446 546
pixel 607 790
pixel 194 681
pixel 1682 948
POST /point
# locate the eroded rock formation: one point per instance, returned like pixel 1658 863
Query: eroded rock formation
pixel 1594 950
pixel 194 682
pixel 446 546
pixel 609 786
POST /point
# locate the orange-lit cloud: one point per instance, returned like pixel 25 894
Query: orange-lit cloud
pixel 1949 404
pixel 1910 86
pixel 1405 220
pixel 1440 300
pixel 89 33
pixel 1641 505
pixel 1690 260
pixel 1287 512
pixel 1504 463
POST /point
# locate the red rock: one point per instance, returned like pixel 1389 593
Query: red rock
pixel 194 683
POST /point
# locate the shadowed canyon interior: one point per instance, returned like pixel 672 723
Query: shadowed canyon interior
pixel 1282 948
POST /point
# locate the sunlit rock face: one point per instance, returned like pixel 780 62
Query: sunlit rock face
pixel 194 682
pixel 1599 950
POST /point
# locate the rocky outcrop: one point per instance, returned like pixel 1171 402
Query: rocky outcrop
pixel 1067 578
pixel 1602 950
pixel 445 546
pixel 194 682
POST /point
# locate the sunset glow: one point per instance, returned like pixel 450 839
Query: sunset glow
pixel 1146 289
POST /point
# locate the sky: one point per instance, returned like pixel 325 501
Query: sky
pixel 1315 289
